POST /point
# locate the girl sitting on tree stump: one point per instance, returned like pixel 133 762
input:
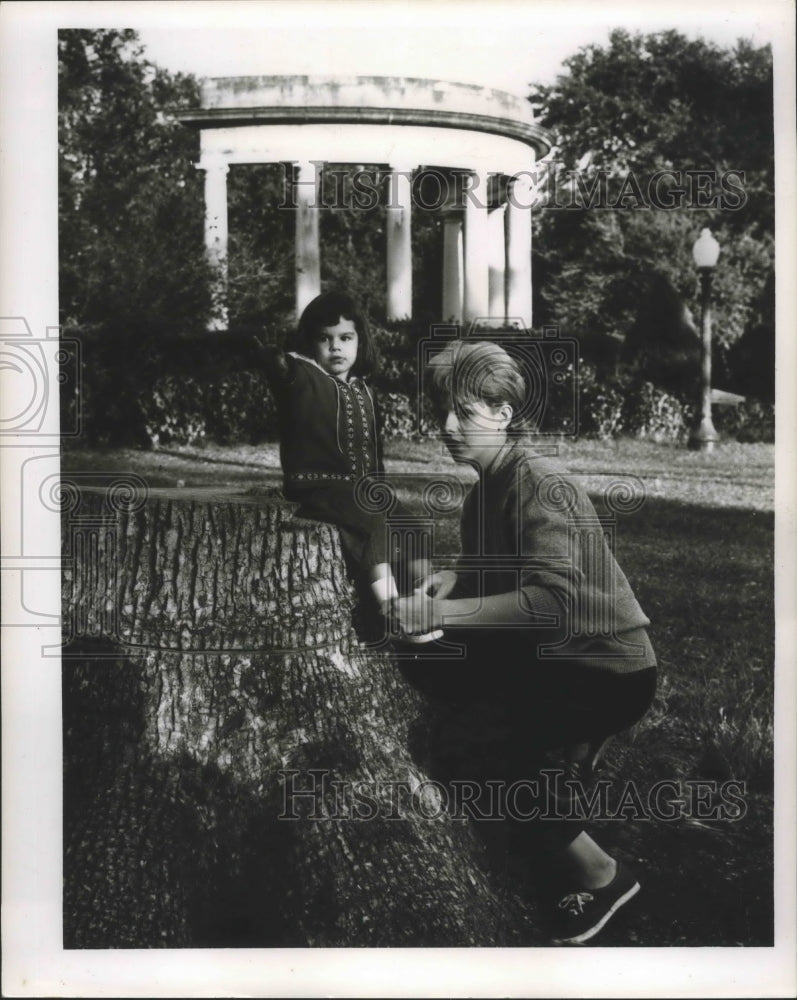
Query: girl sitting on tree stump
pixel 330 437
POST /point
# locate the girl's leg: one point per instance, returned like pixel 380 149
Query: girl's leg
pixel 384 589
pixel 383 586
pixel 368 549
pixel 412 557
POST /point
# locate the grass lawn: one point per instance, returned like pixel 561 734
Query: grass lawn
pixel 734 475
pixel 699 554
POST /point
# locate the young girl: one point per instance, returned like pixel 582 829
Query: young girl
pixel 534 578
pixel 329 434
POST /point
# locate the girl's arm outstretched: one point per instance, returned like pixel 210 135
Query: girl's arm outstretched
pixel 277 365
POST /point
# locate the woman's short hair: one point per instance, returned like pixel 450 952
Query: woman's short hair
pixel 467 372
pixel 328 309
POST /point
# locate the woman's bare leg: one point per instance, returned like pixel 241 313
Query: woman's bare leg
pixel 588 863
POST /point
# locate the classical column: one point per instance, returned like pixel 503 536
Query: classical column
pixel 216 237
pixel 399 244
pixel 307 259
pixel 476 297
pixel 518 250
pixel 497 263
pixel 452 268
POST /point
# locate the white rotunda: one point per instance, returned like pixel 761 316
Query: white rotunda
pixel 419 131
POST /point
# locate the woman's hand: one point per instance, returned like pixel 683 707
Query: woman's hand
pixel 422 611
pixel 438 585
pixel 419 613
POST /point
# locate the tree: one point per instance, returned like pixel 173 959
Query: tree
pixel 132 264
pixel 621 116
pixel 130 200
pixel 134 281
pixel 663 101
pixel 261 249
pixel 752 358
pixel 214 675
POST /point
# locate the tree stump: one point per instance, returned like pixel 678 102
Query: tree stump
pixel 211 675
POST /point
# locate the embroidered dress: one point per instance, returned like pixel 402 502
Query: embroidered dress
pixel 329 440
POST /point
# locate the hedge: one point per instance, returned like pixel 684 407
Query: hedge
pixel 212 388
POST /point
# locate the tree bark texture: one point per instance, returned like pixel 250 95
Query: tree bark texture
pixel 211 668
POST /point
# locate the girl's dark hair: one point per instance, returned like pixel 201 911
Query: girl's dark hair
pixel 478 372
pixel 328 309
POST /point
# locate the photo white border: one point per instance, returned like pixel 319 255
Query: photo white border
pixel 34 961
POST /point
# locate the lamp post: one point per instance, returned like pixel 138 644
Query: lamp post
pixel 705 251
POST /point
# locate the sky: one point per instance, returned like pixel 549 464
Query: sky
pixel 506 44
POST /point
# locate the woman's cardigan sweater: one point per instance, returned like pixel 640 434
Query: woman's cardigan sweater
pixel 526 527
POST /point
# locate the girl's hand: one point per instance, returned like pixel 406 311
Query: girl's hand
pixel 263 349
pixel 274 360
pixel 438 585
pixel 417 614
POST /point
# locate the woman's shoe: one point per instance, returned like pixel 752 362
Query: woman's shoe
pixel 580 915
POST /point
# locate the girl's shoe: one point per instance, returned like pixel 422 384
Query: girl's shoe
pixel 578 916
